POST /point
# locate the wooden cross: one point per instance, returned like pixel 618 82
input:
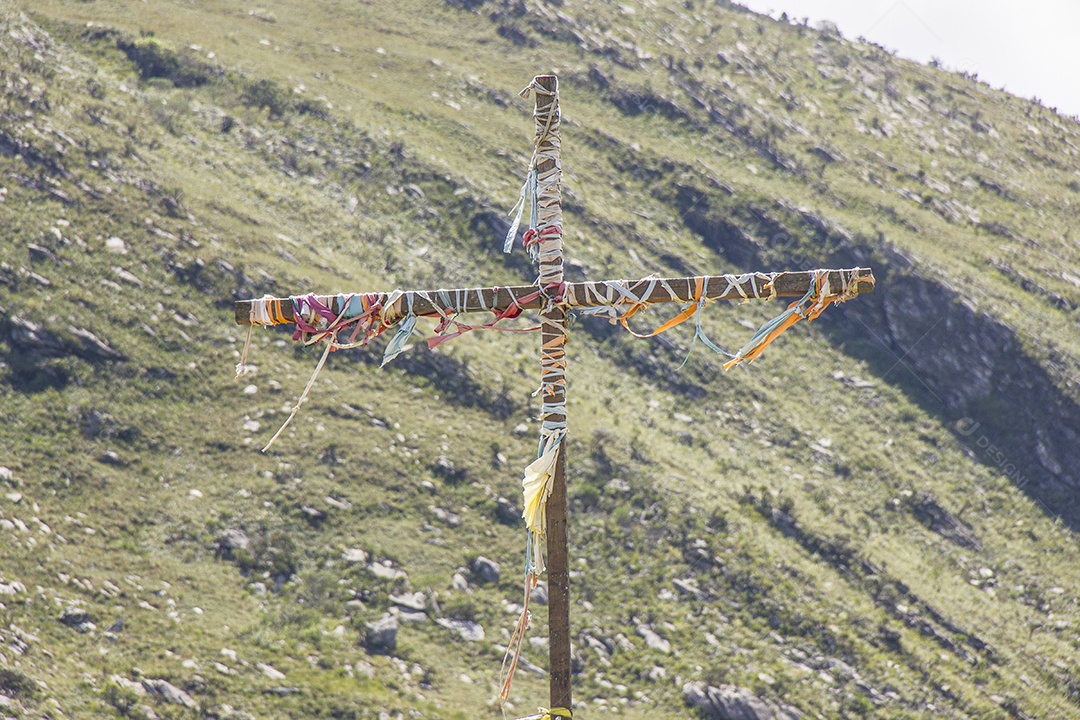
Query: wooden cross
pixel 325 316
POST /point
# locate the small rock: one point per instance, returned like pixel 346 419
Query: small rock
pixel 132 685
pixel 690 588
pixel 506 512
pixel 539 594
pixel 38 253
pixel 521 429
pixel 282 691
pixel 458 582
pixel 354 556
pixel 485 571
pixel 117 626
pixel 95 423
pixel 127 277
pixel 339 504
pixel 384 572
pixel 14 497
pixel 116 246
pixel 92 347
pixel 406 615
pixel 313 514
pixel 13 588
pixel 413 601
pixel 443 515
pixel 78 618
pixel 841 668
pixel 169 693
pixel 729 702
pixel 6 473
pixel 231 540
pixel 111 457
pixel 467 629
pixel 143 712
pixel 270 671
pixel 382 634
pixel 228 712
pixel 657 673
pixel 445 468
pixel 653 640
pixel 598 646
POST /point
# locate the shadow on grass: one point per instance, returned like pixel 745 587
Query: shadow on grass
pixel 963 367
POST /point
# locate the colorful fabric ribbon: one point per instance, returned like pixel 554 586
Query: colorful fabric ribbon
pixel 690 310
pixel 549 714
pixel 536 488
pixel 808 307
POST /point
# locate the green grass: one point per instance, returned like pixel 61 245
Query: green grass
pixel 249 183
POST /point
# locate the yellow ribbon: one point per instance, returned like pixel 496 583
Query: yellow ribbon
pixel 546 714
pixel 536 487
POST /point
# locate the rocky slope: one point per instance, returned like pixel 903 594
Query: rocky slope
pixel 875 520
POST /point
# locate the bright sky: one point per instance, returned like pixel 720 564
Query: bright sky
pixel 1032 47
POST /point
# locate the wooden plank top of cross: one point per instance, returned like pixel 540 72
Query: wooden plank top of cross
pixel 324 317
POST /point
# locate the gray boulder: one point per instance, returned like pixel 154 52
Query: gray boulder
pixel 485 571
pixel 78 618
pixel 467 629
pixel 729 702
pixel 382 634
pixel 234 539
pixel 167 692
pixel 354 556
pixel 653 640
pixel 506 512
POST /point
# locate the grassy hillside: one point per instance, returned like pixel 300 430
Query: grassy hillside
pixel 877 519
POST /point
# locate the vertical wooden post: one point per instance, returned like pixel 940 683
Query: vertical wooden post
pixel 553 365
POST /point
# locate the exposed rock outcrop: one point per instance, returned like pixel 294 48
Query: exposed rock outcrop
pixel 729 702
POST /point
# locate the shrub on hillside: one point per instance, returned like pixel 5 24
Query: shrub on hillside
pixel 16 683
pixel 154 59
pixel 268 94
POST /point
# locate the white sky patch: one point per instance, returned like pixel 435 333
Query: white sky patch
pixel 1032 47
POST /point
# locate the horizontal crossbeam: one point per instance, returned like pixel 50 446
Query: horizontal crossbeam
pixel 436 303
